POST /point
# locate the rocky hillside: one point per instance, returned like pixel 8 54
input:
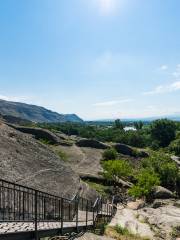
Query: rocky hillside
pixel 27 161
pixel 35 113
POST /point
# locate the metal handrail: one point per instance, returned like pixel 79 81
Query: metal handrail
pixel 21 203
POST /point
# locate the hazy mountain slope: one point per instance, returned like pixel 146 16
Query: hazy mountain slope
pixel 34 113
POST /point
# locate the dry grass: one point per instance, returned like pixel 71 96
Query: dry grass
pixel 111 232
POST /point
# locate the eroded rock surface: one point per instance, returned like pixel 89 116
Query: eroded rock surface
pixel 153 223
pixel 162 193
pixel 27 161
pixel 91 143
pixel 83 160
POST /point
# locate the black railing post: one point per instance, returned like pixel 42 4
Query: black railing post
pixel 62 214
pixel 87 213
pixel 59 218
pixel 35 212
pixel 93 219
pixel 23 206
pixel 77 215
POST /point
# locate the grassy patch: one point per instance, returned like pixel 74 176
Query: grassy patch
pixel 45 141
pixel 62 155
pixel 101 189
pixel 176 232
pixel 120 233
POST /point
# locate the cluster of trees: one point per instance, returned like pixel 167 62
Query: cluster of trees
pixel 161 133
pixel 158 169
pixel 161 136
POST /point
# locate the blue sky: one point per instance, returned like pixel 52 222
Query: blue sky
pixel 96 58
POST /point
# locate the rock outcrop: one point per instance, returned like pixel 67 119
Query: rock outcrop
pixel 123 149
pixel 91 143
pixel 162 193
pixel 127 218
pixel 26 161
pixel 85 161
pixel 44 134
pixel 148 222
pixel 129 151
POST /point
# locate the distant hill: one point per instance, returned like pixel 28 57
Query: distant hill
pixel 174 117
pixel 35 113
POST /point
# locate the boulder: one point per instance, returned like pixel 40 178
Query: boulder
pixel 163 220
pixel 38 133
pixel 127 218
pixel 91 143
pixel 176 160
pixel 136 205
pixel 44 134
pixel 129 151
pixel 123 149
pixel 162 202
pixel 162 193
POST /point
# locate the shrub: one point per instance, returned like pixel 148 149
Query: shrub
pixel 110 154
pixel 162 165
pixel 168 175
pixel 115 169
pixel 121 230
pixel 101 189
pixel 175 147
pixel 146 180
pixel 45 141
pixel 132 138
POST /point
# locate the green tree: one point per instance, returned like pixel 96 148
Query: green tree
pixel 175 147
pixel 163 131
pixel 168 175
pixel 118 124
pixel 113 170
pixel 146 181
pixel 138 125
pixel 162 165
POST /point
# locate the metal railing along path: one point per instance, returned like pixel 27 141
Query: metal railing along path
pixel 34 209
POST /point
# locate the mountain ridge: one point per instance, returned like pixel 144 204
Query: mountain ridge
pixel 174 117
pixel 35 113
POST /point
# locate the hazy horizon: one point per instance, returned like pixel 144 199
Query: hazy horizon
pixel 99 59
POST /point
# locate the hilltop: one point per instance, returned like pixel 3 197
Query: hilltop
pixel 35 113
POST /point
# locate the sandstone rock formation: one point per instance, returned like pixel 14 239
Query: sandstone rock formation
pixel 91 143
pixel 162 193
pixel 129 151
pixel 153 223
pixel 29 162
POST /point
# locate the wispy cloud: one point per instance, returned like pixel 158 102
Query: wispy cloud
pixel 176 73
pixel 163 67
pixel 175 86
pixel 14 98
pixel 112 103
